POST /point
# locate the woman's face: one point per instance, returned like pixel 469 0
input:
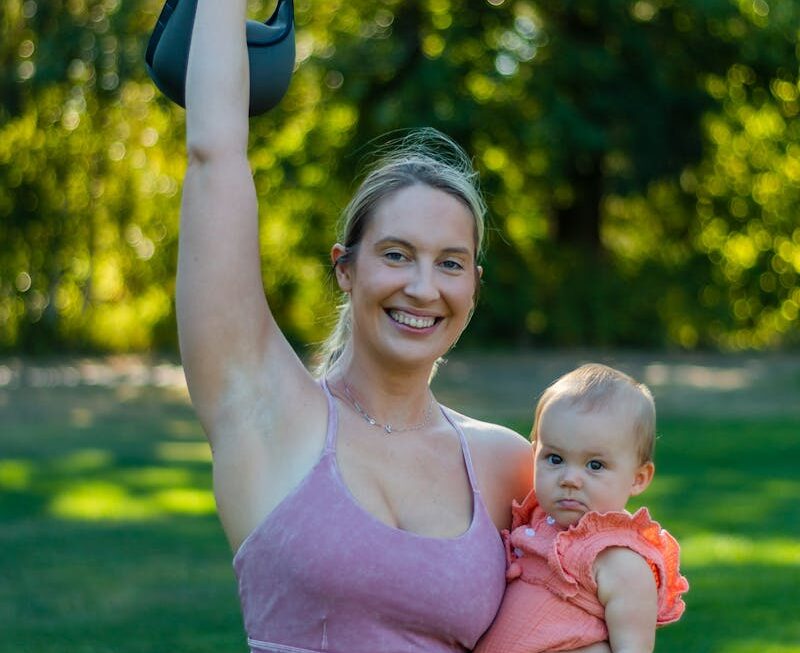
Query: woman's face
pixel 413 276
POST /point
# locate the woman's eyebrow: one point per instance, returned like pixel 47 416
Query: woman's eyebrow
pixel 457 250
pixel 393 240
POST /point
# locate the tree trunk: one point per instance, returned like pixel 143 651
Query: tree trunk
pixel 578 225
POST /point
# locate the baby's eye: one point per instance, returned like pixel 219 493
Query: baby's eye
pixel 554 459
pixel 595 465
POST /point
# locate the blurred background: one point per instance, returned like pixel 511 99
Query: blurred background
pixel 641 162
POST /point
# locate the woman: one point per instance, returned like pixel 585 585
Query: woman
pixel 363 515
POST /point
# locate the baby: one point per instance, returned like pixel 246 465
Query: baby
pixel 581 569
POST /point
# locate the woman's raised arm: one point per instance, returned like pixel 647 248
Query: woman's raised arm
pixel 224 324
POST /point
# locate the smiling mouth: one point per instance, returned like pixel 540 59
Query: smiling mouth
pixel 413 321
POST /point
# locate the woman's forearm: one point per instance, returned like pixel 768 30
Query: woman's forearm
pixel 217 82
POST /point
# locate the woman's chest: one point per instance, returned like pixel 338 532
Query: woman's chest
pixel 418 486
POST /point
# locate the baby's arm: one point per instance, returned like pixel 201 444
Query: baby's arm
pixel 627 589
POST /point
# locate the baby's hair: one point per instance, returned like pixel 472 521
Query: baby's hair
pixel 593 387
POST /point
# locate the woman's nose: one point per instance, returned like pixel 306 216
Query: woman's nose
pixel 422 284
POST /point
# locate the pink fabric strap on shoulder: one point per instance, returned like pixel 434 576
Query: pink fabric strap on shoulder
pixel 333 417
pixel 464 449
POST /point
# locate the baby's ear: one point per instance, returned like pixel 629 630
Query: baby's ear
pixel 642 478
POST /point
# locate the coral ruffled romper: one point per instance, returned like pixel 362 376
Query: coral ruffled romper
pixel 551 601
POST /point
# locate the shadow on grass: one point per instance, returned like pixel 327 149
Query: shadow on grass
pixel 110 539
pixel 110 542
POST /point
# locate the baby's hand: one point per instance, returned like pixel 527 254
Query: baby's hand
pixel 514 571
pixel 513 568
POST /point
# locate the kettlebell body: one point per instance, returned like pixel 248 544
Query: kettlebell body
pixel 270 50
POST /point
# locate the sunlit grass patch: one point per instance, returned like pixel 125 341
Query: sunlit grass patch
pixel 760 645
pixel 184 452
pixel 99 500
pixel 84 460
pixel 15 474
pixel 711 549
pixel 186 501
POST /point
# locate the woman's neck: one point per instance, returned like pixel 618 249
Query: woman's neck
pixel 390 396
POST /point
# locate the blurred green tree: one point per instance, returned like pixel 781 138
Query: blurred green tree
pixel 640 158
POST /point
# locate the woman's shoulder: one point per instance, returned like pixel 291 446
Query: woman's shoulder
pixel 488 434
pixel 503 463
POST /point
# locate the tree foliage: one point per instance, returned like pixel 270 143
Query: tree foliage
pixel 640 158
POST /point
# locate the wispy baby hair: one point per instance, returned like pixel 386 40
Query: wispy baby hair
pixel 592 387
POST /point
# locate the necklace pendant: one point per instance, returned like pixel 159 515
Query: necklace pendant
pixel 388 429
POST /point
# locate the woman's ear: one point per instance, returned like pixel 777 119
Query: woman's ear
pixel 341 266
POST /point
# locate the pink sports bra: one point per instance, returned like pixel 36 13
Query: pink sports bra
pixel 322 574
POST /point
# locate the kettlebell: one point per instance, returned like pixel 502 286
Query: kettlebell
pixel 270 49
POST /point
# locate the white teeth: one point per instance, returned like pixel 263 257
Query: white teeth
pixel 412 321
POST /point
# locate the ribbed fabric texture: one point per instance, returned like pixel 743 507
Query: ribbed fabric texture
pixel 551 601
pixel 322 574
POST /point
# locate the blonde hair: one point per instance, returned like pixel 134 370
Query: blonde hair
pixel 426 157
pixel 594 386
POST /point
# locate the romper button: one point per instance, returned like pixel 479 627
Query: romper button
pixel 530 532
pixel 518 552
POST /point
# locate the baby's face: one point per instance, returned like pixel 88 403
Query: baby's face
pixel 586 461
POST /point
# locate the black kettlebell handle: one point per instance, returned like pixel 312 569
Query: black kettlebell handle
pixel 270 49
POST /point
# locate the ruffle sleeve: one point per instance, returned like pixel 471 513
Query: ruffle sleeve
pixel 522 513
pixel 577 548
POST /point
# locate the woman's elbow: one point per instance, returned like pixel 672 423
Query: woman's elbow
pixel 202 152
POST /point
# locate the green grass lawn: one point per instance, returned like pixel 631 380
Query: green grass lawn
pixel 109 542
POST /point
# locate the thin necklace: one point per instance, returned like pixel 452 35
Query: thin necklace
pixel 388 428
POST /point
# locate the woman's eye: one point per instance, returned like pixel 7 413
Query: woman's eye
pixel 554 459
pixel 395 256
pixel 595 465
pixel 451 265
